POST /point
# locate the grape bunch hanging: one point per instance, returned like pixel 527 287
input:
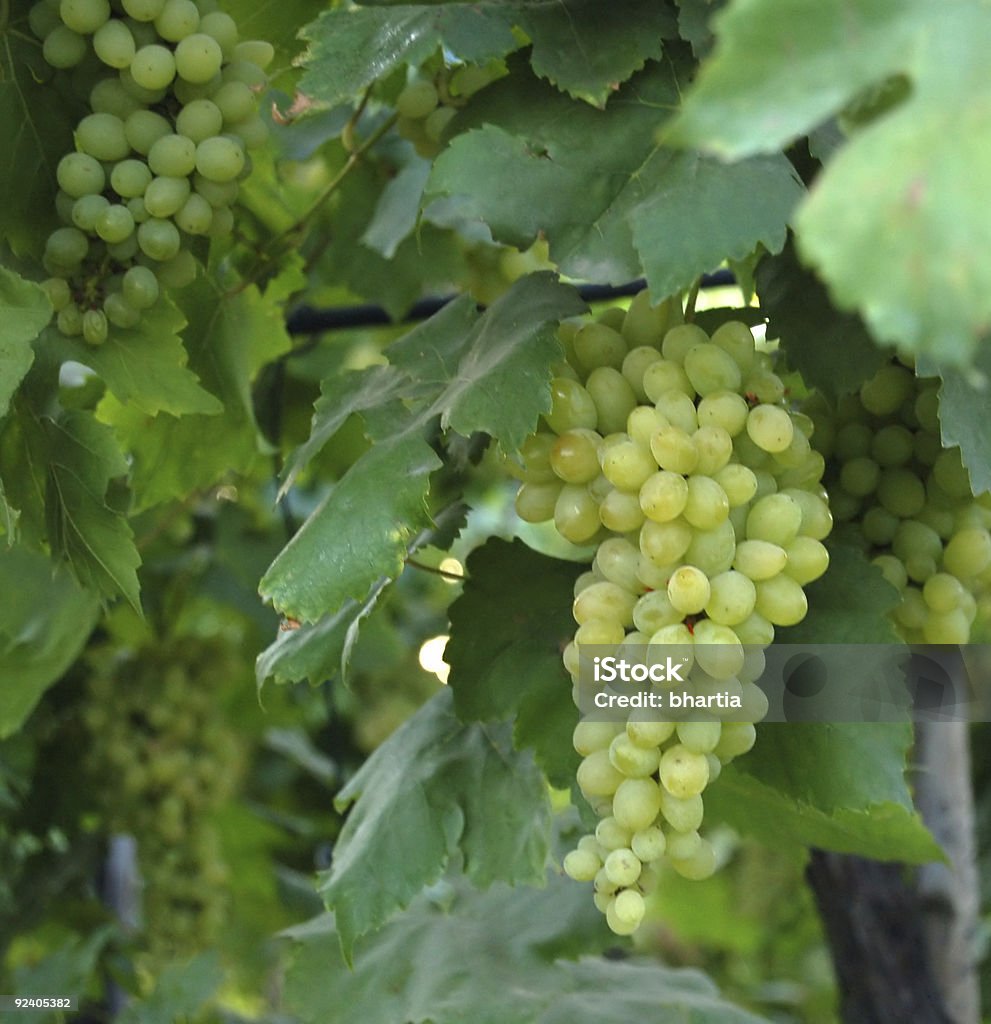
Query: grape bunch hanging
pixel 908 501
pixel 167 760
pixel 173 110
pixel 676 454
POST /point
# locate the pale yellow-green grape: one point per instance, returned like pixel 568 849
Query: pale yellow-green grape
pixel 142 184
pixel 908 502
pixel 674 453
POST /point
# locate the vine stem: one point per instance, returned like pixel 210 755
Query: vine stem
pixel 693 294
pixel 454 577
pixel 4 14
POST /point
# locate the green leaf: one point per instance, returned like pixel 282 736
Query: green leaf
pixel 350 49
pixel 24 311
pixel 145 365
pixel 229 338
pixel 695 219
pixel 428 791
pixel 181 990
pixel 276 21
pixel 611 209
pixel 315 651
pixel 831 350
pixel 508 628
pixel 898 224
pixel 45 622
pixel 833 617
pixel 839 787
pixel 476 373
pixel 94 538
pixel 494 957
pixel 588 48
pixel 37 122
pixel 398 209
pixel 963 420
pixel 495 377
pixel 358 533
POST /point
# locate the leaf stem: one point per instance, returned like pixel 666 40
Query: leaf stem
pixel 437 571
pixel 693 294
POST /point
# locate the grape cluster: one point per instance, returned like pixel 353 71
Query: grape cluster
pixel 173 111
pixel 908 501
pixel 426 104
pixel 675 454
pixel 165 760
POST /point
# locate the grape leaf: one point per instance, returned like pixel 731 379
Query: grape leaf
pixel 94 538
pixel 487 372
pixel 398 209
pixel 608 209
pixel 963 420
pixel 508 628
pixel 67 969
pixel 492 957
pixel 897 225
pixel 840 787
pixel 25 311
pixel 276 21
pixel 229 338
pixel 833 618
pixel 358 533
pixel 427 791
pixel 831 350
pixel 589 49
pixel 145 364
pixel 694 218
pixel 37 123
pixel 45 622
pixel 350 49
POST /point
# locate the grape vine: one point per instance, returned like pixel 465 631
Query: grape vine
pixel 677 455
pixel 173 111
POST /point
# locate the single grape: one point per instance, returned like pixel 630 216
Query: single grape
pixel 63 48
pixel 198 58
pixel 79 174
pixel 153 67
pixel 94 327
pixel 84 16
pixel 177 20
pixel 159 239
pixel 113 43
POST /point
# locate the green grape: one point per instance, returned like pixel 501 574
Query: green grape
pixel 901 492
pixel 172 156
pixel 781 600
pixel 613 397
pixel 712 550
pixel 109 96
pixel 700 865
pixel 715 449
pixel 130 178
pixel 94 327
pixel 688 590
pixel 177 20
pixel 711 369
pixel 860 476
pixel 67 246
pixel 222 224
pixel 738 483
pixel 663 496
pixel 84 16
pixel 235 101
pixel 113 43
pixel 144 128
pixel 636 802
pixel 159 239
pixel 220 159
pixel 885 392
pixel 70 320
pixel 178 271
pixel 626 465
pixel 245 71
pixel 635 364
pixel 115 224
pixel 597 777
pixel 58 292
pixel 63 48
pixel 42 19
pixel 590 736
pixel 165 195
pixel 199 120
pixel 223 28
pixel 119 311
pixel 597 345
pixel 259 52
pixel 968 553
pixel 86 211
pixel 217 194
pixel 807 560
pixel 80 175
pixel 633 761
pixel 775 518
pixel 198 58
pixel 195 216
pixel 683 814
pixel 770 428
pixel 707 505
pixel 663 375
pixel 417 100
pixel 152 68
pixel 679 410
pixel 732 598
pixel 737 339
pixel 674 450
pixel 581 865
pixel 622 867
pixel 574 456
pixel 604 600
pixel 576 514
pixel 143 10
pixel 683 773
pixel 102 137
